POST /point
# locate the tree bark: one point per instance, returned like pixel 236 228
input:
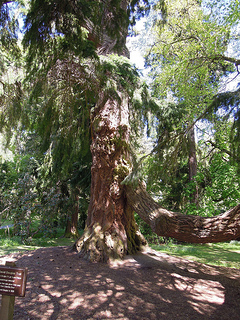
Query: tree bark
pixel 192 229
pixel 110 229
pixel 192 164
pixel 71 230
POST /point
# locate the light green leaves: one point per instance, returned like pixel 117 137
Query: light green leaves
pixel 186 58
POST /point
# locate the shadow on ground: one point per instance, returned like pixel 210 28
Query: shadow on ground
pixel 151 285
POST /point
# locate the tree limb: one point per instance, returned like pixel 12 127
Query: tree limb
pixel 229 59
pixel 223 150
pixel 193 229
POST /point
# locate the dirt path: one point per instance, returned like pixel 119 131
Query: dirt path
pixel 151 285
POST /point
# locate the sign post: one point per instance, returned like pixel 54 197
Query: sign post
pixel 12 283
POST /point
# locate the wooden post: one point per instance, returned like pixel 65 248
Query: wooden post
pixel 7 307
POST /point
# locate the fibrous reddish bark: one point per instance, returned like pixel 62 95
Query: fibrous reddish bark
pixel 193 229
pixel 110 230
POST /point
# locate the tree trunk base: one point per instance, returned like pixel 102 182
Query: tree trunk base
pixel 97 245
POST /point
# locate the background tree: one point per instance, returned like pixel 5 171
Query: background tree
pixel 188 61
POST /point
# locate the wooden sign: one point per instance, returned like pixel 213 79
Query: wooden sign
pixel 13 281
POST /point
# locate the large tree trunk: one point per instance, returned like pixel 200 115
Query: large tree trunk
pixel 110 230
pixel 193 229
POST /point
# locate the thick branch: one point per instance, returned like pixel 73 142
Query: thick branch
pixel 193 229
pixel 229 59
pixel 224 150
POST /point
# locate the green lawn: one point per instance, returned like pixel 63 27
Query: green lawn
pixel 217 254
pixel 11 244
pixel 14 244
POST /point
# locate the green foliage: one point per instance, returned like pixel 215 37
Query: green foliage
pixel 65 78
pixel 224 190
pixel 146 231
pixel 226 119
pixel 188 60
pixel 224 12
pixel 51 111
pixel 48 20
pixel 119 71
pixel 183 57
pixel 138 9
pixel 217 182
pixel 8 35
pixel 81 26
pixel 32 201
pixel 10 62
pixel 56 104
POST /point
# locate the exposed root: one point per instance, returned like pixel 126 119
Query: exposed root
pixel 97 245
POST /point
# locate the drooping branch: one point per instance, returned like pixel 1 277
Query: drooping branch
pixel 193 229
pixel 223 150
pixel 233 60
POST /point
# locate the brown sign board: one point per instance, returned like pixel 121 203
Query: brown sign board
pixel 13 281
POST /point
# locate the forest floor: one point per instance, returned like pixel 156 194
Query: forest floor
pixel 151 285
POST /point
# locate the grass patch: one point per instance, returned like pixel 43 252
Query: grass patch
pixel 216 254
pixel 14 244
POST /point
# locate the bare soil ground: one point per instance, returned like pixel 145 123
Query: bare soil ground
pixel 150 285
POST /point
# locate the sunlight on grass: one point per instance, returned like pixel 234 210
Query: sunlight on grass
pixel 14 244
pixel 11 244
pixel 219 254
